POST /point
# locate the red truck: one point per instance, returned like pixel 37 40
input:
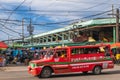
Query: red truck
pixel 72 59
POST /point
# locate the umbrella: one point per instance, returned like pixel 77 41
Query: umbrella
pixel 3 45
pixel 115 45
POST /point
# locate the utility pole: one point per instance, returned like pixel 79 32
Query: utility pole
pixel 30 29
pixel 117 25
pixel 113 10
pixel 8 39
pixel 116 28
pixel 23 30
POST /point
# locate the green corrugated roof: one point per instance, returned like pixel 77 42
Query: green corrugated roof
pixel 83 24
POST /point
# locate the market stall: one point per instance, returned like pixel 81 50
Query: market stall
pixel 3 46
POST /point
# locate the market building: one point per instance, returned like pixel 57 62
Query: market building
pixel 80 33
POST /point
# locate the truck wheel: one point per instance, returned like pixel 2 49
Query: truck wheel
pixel 97 70
pixel 46 72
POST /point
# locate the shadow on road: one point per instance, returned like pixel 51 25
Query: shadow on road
pixel 88 74
pixel 111 72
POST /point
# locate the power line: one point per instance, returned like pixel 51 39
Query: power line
pixel 95 5
pixel 3 7
pixel 11 20
pixel 9 28
pixel 42 24
pixel 6 33
pixel 57 11
pixel 15 10
pixel 97 14
pixel 56 14
pixel 76 19
pixel 90 2
pixel 63 21
pixel 11 23
pixel 3 25
pixel 67 20
pixel 72 1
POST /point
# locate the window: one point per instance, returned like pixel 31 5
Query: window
pixel 85 50
pixel 61 53
pixel 77 51
pixel 92 50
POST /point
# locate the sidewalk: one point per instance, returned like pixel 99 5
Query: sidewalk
pixel 14 67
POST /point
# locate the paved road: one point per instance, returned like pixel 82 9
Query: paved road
pixel 113 74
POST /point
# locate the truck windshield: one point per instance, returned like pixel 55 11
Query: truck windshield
pixel 45 54
pixel 48 54
pixel 42 54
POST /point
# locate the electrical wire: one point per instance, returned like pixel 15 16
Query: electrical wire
pixel 9 28
pixel 90 2
pixel 3 7
pixel 11 20
pixel 63 21
pixel 94 6
pixel 3 25
pixel 73 20
pixel 6 33
pixel 15 10
pixel 11 23
pixel 47 11
pixel 97 14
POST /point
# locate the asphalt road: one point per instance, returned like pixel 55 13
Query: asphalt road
pixel 112 74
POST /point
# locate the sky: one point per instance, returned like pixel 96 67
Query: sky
pixel 47 15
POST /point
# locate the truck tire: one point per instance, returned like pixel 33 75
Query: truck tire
pixel 97 70
pixel 46 72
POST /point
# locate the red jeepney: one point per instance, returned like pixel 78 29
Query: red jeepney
pixel 72 59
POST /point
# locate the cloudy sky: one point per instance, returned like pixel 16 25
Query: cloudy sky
pixel 47 15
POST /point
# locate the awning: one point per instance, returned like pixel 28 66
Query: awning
pixel 3 45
